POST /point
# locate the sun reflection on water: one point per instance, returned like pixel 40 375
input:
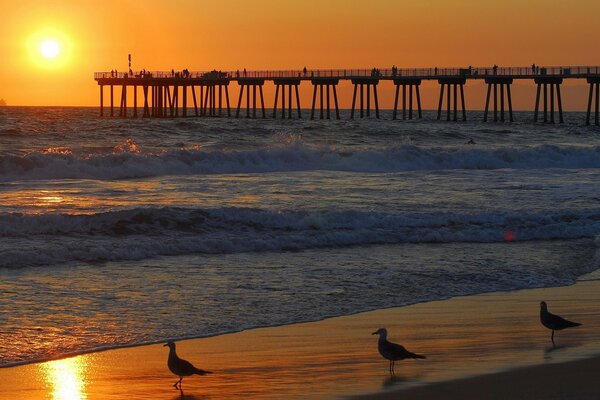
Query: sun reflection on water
pixel 66 378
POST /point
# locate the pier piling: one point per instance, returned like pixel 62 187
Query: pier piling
pixel 504 83
pixel 324 85
pixel 247 84
pixel 542 83
pixel 454 82
pixel 594 83
pixel 360 83
pixel 289 85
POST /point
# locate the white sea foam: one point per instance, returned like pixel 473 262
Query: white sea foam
pixel 149 232
pixel 65 164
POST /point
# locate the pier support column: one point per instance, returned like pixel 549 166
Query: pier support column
pixel 359 83
pixel 594 83
pixel 102 100
pixel 285 86
pixel 146 112
pixel 504 84
pixel 195 101
pixel 112 106
pixel 184 90
pixel 404 82
pixel 452 85
pixel 123 104
pixel 325 85
pixel 135 101
pixel 211 102
pixel 542 83
pixel 247 84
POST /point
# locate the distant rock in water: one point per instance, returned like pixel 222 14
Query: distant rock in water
pixel 2 103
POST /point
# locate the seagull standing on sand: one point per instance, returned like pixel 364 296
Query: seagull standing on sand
pixel 181 367
pixel 392 351
pixel 554 322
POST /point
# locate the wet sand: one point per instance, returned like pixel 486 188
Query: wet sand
pixel 470 343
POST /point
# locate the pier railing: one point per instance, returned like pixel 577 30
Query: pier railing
pixel 381 73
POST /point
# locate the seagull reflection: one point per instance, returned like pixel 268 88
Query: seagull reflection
pixel 183 396
pixel 553 349
pixel 393 380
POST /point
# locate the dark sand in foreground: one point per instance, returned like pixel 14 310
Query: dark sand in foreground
pixel 469 342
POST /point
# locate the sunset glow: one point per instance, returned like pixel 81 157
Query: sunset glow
pixel 49 48
pixel 81 38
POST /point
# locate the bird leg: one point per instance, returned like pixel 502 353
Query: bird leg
pixel 552 337
pixel 178 383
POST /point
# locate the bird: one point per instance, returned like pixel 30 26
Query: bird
pixel 392 351
pixel 554 322
pixel 181 367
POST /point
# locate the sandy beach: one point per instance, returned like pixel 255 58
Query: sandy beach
pixel 483 346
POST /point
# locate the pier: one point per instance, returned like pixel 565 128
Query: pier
pixel 167 94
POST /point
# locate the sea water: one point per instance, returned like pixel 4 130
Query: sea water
pixel 118 232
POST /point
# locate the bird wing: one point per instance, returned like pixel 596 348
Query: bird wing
pixel 559 322
pixel 399 351
pixel 185 367
pixel 201 371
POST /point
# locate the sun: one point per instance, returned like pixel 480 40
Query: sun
pixel 49 48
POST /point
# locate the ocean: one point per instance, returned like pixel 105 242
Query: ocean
pixel 118 232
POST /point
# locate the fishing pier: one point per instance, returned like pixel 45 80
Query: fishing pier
pixel 172 94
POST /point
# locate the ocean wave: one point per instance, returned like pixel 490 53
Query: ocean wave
pixel 141 233
pixel 124 163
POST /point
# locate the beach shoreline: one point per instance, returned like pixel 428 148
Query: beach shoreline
pixel 482 339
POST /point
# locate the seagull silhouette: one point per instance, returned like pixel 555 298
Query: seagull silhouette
pixel 392 351
pixel 554 322
pixel 181 367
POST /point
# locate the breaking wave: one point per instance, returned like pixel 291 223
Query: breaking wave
pixel 127 163
pixel 141 233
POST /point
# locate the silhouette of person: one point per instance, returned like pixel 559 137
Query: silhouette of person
pixel 495 69
pixel 304 71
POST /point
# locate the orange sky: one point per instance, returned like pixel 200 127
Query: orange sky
pixel 281 34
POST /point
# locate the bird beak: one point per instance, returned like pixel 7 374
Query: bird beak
pixel 375 333
pixel 165 345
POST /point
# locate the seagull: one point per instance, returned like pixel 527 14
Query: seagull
pixel 181 367
pixel 554 322
pixel 392 351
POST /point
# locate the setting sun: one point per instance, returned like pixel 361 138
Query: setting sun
pixel 49 48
